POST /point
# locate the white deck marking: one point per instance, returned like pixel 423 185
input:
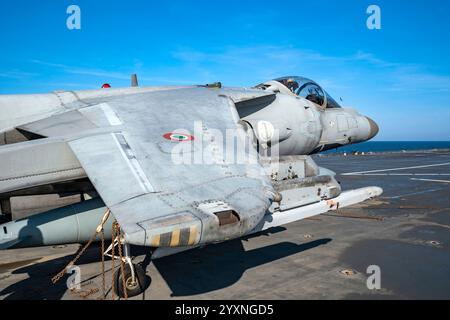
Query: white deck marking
pixel 413 194
pixel 395 169
pixel 430 180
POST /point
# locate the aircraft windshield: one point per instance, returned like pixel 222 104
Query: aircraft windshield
pixel 309 90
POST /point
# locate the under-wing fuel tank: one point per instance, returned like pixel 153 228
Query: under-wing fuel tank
pixel 71 224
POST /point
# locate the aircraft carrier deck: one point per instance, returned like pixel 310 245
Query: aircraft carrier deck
pixel 405 232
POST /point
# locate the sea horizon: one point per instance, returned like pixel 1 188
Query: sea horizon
pixel 391 146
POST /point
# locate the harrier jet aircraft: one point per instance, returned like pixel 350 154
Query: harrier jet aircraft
pixel 177 167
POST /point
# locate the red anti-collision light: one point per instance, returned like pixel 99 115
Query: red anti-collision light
pixel 106 86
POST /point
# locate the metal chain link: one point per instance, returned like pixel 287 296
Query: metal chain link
pixel 60 274
pixel 115 234
pixel 103 265
pixel 113 237
pixel 99 229
pixel 122 268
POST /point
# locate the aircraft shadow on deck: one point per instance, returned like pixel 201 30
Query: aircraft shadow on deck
pixel 189 273
pixel 219 266
pixel 38 285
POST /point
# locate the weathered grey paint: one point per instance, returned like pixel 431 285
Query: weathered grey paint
pixel 115 137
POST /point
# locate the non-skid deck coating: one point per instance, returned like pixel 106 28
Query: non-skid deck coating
pixel 406 232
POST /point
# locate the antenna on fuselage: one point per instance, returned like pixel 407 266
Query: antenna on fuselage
pixel 134 80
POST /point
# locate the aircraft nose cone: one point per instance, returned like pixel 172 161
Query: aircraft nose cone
pixel 374 129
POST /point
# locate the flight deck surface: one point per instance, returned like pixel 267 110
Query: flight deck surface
pixel 405 232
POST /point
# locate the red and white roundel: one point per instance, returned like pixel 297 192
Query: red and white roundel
pixel 178 137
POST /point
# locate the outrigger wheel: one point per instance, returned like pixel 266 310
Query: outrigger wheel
pixel 133 288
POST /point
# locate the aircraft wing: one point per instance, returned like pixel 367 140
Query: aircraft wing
pixel 157 160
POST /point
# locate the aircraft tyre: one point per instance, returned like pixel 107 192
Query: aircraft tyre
pixel 133 289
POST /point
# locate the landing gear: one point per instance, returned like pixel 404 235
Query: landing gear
pixel 132 281
pixel 134 285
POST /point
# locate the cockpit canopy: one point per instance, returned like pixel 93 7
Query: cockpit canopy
pixel 310 90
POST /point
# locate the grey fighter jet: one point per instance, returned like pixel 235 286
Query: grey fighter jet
pixel 177 167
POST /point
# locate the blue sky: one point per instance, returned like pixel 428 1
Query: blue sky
pixel 399 75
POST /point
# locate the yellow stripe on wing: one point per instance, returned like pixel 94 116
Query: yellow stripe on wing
pixel 192 235
pixel 156 240
pixel 175 241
